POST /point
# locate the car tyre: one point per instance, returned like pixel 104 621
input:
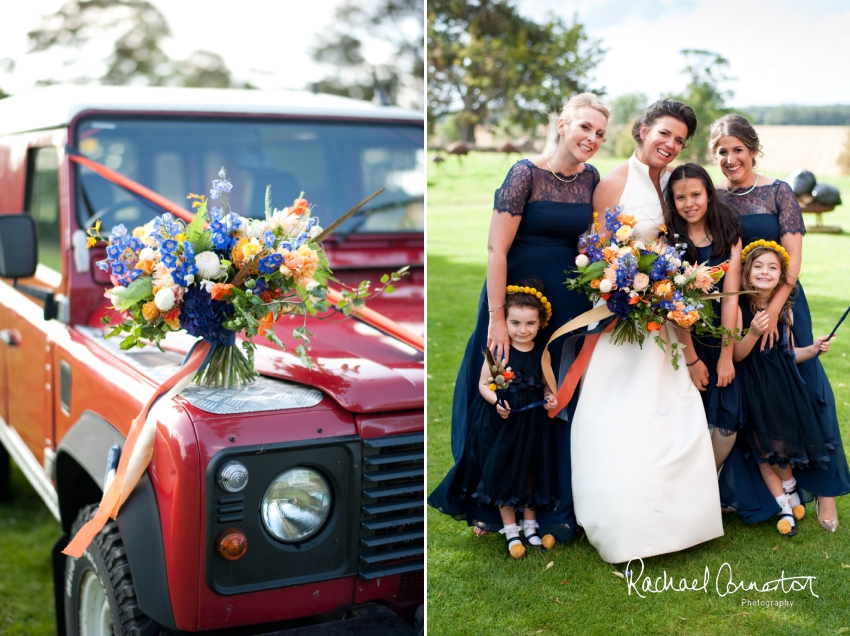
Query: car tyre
pixel 100 598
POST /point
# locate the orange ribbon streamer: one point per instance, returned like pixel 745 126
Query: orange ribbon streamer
pixel 136 454
pixel 571 380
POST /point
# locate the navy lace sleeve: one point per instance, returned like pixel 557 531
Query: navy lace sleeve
pixel 788 211
pixel 513 195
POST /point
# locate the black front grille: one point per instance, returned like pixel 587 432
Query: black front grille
pixel 392 528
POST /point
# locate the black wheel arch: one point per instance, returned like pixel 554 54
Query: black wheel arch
pixel 80 468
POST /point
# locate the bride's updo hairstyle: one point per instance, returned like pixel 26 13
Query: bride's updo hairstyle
pixel 737 126
pixel 666 108
pixel 582 100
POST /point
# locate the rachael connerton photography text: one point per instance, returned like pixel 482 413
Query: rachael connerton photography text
pixel 724 582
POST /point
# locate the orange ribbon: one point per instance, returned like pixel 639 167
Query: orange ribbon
pixel 137 453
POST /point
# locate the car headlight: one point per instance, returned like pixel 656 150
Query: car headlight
pixel 296 504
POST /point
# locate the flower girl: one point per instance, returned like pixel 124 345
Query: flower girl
pixel 786 427
pixel 510 459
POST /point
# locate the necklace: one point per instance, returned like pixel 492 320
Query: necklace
pixel 740 194
pixel 555 175
pixel 705 239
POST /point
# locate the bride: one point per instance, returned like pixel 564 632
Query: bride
pixel 644 481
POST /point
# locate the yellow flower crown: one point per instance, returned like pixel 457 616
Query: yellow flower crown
pixel 771 245
pixel 517 289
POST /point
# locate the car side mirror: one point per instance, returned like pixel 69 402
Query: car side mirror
pixel 18 246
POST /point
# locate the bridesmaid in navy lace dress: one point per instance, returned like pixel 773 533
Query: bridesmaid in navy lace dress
pixel 540 211
pixel 769 210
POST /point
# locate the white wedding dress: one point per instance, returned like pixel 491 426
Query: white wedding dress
pixel 644 481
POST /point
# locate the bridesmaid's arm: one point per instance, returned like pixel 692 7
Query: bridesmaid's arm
pixel 729 316
pixel 503 228
pixel 696 367
pixel 487 394
pixel 793 244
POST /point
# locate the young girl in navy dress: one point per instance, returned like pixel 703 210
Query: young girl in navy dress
pixel 786 424
pixel 713 236
pixel 510 459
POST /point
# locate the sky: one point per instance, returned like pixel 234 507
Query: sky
pixel 266 43
pixel 780 51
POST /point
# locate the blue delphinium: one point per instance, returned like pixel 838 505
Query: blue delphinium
pixel 271 263
pixel 626 270
pixel 611 221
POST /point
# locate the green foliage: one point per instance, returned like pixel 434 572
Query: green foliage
pixel 139 290
pixel 792 115
pixel 139 30
pixel 624 110
pixel 200 239
pixel 707 71
pixel 397 23
pixel 484 55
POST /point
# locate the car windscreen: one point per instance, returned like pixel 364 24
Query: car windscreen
pixel 336 164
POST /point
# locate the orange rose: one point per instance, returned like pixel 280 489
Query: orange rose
pixel 220 290
pixel 150 312
pixel 609 253
pixel 682 318
pixel 653 326
pixel 145 266
pixel 634 300
pixel 266 324
pixel 594 284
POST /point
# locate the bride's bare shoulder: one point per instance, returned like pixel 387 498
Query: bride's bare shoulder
pixel 609 190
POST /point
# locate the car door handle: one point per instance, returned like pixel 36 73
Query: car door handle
pixel 11 337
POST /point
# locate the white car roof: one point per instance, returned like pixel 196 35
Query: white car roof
pixel 55 106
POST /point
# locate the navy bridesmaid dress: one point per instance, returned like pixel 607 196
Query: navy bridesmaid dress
pixel 769 212
pixel 554 215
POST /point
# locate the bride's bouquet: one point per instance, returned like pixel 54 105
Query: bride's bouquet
pixel 219 275
pixel 644 283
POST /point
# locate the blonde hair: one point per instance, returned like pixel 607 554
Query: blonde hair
pixel 583 100
pixel 746 284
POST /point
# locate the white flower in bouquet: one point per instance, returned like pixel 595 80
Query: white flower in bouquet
pixel 284 220
pixel 251 249
pixel 208 264
pixel 148 254
pixel 606 286
pixel 164 299
pixel 679 279
pixel 639 245
pixel 315 231
pixel 624 233
pixel 254 228
pixel 207 285
pixel 311 285
pixel 624 250
pixel 640 282
pixel 675 262
pixel 582 260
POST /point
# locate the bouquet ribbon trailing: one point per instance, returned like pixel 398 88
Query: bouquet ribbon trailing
pixel 367 316
pixel 138 449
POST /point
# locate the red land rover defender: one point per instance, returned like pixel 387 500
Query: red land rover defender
pixel 351 428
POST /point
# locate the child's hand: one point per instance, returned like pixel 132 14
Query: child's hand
pixel 822 344
pixel 551 402
pixel 504 411
pixel 760 323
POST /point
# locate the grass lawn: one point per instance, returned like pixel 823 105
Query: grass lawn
pixel 474 588
pixel 27 534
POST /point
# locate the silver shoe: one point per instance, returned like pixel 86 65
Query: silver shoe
pixel 828 524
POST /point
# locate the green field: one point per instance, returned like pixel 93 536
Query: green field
pixel 474 588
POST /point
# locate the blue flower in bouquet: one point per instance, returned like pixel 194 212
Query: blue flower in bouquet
pixel 169 260
pixel 271 263
pixel 119 268
pixel 611 221
pixel 268 239
pixel 668 305
pixel 103 265
pixel 169 246
pixel 118 232
pixel 626 270
pixel 302 238
pixel 594 253
pixel 618 303
pixel 204 317
pixel 659 269
pixel 113 252
pixel 286 245
pixel 677 296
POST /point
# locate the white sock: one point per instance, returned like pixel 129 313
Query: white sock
pixel 788 486
pixel 782 500
pixel 511 531
pixel 529 526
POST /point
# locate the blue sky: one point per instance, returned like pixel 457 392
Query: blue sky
pixel 780 51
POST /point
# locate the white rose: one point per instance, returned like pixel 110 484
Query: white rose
pixel 675 262
pixel 255 229
pixel 582 261
pixel 623 233
pixel 606 286
pixel 147 254
pixel 164 299
pixel 314 231
pixel 679 279
pixel 641 281
pixel 208 265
